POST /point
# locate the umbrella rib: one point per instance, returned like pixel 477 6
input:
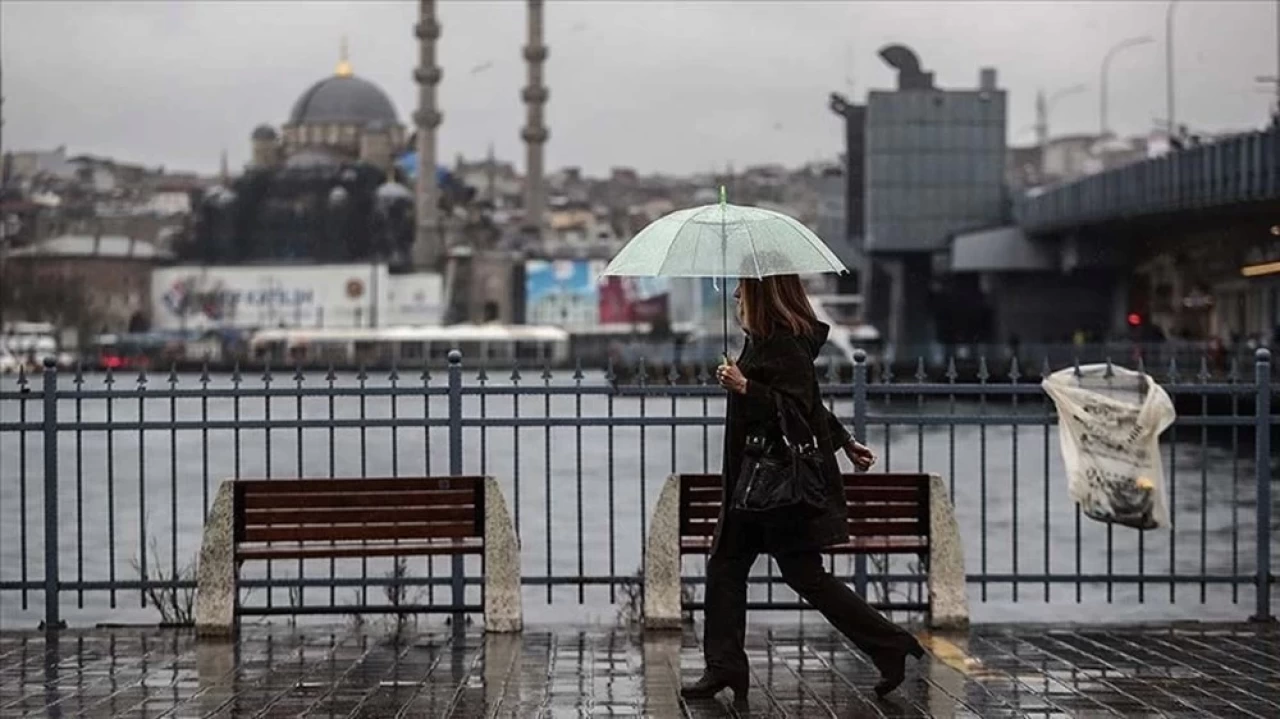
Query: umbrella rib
pixel 675 236
pixel 754 252
pixel 805 234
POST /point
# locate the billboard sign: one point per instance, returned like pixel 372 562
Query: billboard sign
pixel 571 294
pixel 198 297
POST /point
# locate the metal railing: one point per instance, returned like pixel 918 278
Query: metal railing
pixel 1231 171
pixel 104 488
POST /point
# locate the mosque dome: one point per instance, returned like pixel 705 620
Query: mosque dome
pixel 343 99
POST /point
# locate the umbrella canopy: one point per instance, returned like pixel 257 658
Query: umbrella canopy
pixel 724 240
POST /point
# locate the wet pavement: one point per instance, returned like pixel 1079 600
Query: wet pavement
pixel 1193 670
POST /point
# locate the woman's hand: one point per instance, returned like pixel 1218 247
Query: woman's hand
pixel 861 455
pixel 731 378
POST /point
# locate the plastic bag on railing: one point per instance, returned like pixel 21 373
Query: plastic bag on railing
pixel 1109 423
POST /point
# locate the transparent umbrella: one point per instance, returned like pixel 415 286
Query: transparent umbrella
pixel 724 241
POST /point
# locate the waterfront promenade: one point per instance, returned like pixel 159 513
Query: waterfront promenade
pixel 799 669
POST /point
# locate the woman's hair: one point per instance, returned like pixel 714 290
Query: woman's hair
pixel 777 302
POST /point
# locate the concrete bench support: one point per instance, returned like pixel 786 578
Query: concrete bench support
pixel 949 605
pixel 216 573
pixel 503 609
pixel 662 561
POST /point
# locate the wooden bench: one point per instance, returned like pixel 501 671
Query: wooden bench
pixel 260 520
pixel 888 514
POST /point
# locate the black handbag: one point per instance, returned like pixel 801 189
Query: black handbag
pixel 781 479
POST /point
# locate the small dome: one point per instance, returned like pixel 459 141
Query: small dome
pixel 392 191
pixel 338 195
pixel 264 132
pixel 343 99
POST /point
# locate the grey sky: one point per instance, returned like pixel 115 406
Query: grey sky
pixel 674 87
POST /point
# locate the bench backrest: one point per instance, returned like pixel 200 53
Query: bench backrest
pixel 880 505
pixel 323 510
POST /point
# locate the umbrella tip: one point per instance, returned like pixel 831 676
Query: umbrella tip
pixel 723 195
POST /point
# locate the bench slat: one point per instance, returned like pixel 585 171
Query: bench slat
pixel 372 484
pixel 858 545
pixel 325 551
pixel 881 494
pixel 875 479
pixel 336 532
pixel 290 500
pixel 900 510
pixel 346 515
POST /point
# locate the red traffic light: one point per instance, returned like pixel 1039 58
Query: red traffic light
pixel 1135 319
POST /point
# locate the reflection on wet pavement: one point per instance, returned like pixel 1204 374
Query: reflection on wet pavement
pixel 347 671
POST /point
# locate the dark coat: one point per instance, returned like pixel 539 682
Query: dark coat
pixel 781 365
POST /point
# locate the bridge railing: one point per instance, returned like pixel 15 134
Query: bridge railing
pixel 105 481
pixel 1235 170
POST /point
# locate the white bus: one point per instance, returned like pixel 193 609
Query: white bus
pixel 413 346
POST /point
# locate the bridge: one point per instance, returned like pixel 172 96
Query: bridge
pixel 1185 246
pixel 1239 174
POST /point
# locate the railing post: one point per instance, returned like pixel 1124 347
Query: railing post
pixel 52 620
pixel 455 469
pixel 860 434
pixel 1262 460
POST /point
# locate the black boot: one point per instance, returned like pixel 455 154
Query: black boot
pixel 893 667
pixel 709 685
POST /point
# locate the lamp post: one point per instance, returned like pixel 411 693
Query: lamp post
pixel 1168 66
pixel 1116 49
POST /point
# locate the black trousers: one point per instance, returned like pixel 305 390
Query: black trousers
pixel 724 630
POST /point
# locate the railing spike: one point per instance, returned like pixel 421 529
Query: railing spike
pixel 702 375
pixel 577 370
pixel 204 370
pixel 921 375
pixel 952 374
pixel 235 372
pixel 142 379
pixel 546 374
pixel 266 371
pixel 361 375
pixel 1203 375
pixel 297 372
pixel 482 375
pixel 1173 370
pixel 983 373
pixel 609 375
pixel 22 376
pixel 79 378
pixel 1233 370
pixel 1046 369
pixel 173 374
pixel 515 373
pixel 330 376
pixel 1109 371
pixel 109 380
pixel 394 375
pixel 1015 373
pixel 644 373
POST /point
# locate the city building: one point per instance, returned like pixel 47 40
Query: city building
pixel 935 166
pixel 88 284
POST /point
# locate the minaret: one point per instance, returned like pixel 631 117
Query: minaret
pixel 491 178
pixel 428 246
pixel 535 131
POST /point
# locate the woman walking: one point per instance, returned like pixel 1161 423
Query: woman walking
pixel 776 365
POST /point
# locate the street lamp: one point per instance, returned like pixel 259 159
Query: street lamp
pixel 1106 66
pixel 1168 65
